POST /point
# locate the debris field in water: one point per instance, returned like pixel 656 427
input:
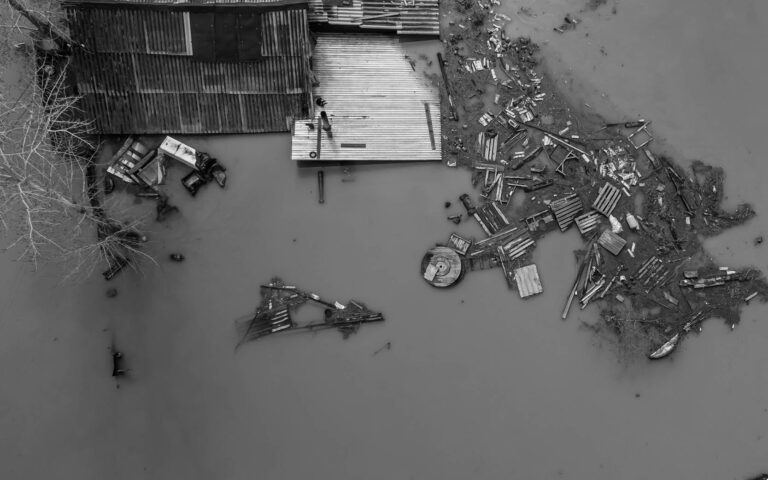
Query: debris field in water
pixel 641 215
pixel 280 300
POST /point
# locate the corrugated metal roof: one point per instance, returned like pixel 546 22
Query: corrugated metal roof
pixel 528 282
pixel 379 108
pixel 417 17
pixel 136 74
pixel 183 2
pixel 611 242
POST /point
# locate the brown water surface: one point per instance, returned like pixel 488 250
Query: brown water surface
pixel 478 384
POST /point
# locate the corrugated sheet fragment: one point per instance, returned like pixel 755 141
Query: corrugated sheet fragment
pixel 416 17
pixel 611 242
pixel 528 282
pixel 375 103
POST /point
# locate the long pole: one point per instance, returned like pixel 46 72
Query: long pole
pixel 451 108
pixel 578 276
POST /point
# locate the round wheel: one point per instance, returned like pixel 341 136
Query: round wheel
pixel 441 267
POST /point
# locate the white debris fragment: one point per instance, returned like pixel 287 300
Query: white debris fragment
pixel 632 222
pixel 615 224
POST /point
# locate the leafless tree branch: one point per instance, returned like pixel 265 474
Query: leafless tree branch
pixel 46 212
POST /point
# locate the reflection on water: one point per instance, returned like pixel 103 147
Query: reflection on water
pixel 477 383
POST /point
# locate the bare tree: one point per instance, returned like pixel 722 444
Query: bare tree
pixel 39 16
pixel 49 205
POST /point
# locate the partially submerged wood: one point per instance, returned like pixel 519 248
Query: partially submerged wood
pixel 279 300
pixel 441 267
pixel 667 348
pixel 611 242
pixel 528 281
pixel 607 199
pixel 566 209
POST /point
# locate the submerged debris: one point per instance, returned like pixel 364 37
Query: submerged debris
pixel 116 264
pixel 643 217
pixel 527 279
pixel 386 346
pixel 670 345
pixel 136 164
pixel 441 266
pixel 320 186
pixel 569 23
pixel 117 362
pixel 279 300
pixel 205 168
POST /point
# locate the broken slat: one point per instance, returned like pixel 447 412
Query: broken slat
pixel 520 249
pixel 487 145
pixel 566 209
pixel 498 237
pixel 484 261
pixel 587 222
pixel 458 243
pixel 607 199
pixel 545 216
pixel 644 268
pixel 492 216
pixel 538 185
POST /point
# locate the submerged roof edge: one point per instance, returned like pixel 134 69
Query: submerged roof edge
pixel 186 5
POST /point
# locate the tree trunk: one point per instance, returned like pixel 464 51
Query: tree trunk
pixel 44 26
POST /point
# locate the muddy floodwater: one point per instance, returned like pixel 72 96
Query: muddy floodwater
pixel 477 384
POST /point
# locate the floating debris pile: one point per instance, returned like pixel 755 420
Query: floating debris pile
pixel 136 164
pixel 278 302
pixel 642 216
